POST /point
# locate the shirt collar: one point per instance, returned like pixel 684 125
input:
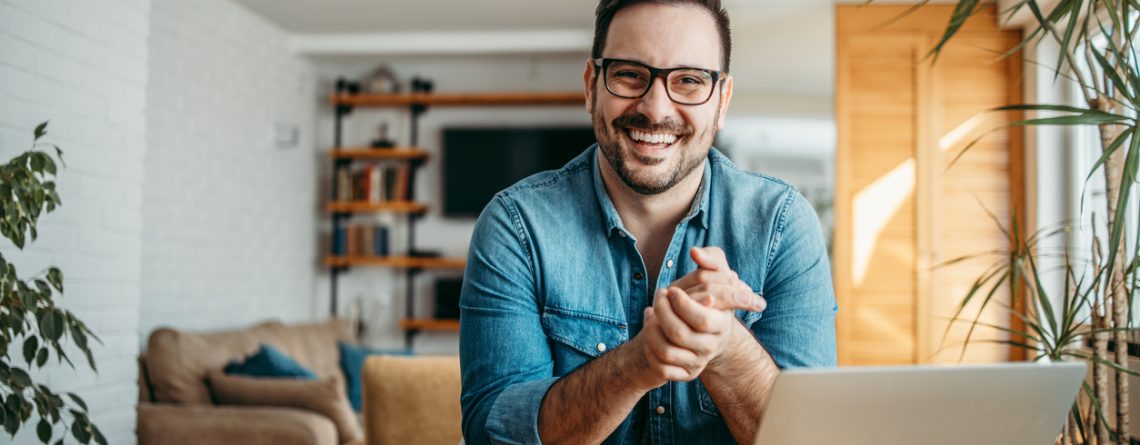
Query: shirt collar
pixel 698 211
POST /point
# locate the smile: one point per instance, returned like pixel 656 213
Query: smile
pixel 652 138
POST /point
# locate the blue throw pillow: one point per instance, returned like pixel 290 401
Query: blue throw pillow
pixel 269 362
pixel 352 363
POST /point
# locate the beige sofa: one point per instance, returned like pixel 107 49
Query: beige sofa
pixel 176 406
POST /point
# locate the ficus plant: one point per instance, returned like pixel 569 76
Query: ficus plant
pixel 33 328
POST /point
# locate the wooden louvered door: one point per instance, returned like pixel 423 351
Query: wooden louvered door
pixel 901 209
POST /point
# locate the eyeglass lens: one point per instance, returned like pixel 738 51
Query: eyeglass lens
pixel 685 86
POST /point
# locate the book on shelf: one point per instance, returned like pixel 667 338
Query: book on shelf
pixel 361 239
pixel 374 184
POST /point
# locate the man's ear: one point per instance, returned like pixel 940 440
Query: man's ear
pixel 588 79
pixel 725 98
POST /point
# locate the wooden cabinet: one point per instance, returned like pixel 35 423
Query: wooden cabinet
pixel 902 210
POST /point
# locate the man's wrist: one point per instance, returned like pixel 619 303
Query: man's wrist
pixel 635 366
pixel 736 349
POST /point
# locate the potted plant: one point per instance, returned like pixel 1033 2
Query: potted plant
pixel 32 326
pixel 1096 40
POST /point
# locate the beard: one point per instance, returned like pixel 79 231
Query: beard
pixel 692 148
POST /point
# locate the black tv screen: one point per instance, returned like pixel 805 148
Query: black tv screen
pixel 479 162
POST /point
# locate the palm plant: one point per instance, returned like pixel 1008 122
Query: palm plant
pixel 1096 41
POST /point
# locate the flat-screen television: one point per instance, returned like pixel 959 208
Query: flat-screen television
pixel 479 162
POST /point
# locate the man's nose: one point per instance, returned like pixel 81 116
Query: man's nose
pixel 655 104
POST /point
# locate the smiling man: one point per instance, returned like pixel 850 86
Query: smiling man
pixel 649 291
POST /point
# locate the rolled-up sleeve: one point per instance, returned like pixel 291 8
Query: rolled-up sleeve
pixel 798 328
pixel 504 354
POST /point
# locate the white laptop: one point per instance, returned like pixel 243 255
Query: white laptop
pixel 1006 404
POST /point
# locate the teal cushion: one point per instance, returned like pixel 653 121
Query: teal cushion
pixel 269 362
pixel 352 363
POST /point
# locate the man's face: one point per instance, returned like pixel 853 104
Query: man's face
pixel 652 142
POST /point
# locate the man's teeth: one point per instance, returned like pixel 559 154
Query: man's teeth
pixel 653 138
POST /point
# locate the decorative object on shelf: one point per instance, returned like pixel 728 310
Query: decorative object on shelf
pixel 382 80
pixel 422 85
pixel 345 86
pixel 424 253
pixel 28 310
pixel 383 141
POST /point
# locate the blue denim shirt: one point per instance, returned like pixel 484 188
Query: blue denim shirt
pixel 554 280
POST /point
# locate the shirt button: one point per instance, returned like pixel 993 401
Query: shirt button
pixel 637 275
pixel 660 409
pixel 601 347
pixel 669 264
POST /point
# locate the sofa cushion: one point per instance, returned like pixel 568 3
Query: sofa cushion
pixel 267 361
pixel 325 397
pixel 352 361
pixel 177 362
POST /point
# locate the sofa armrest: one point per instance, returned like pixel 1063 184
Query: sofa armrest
pixel 412 400
pixel 169 424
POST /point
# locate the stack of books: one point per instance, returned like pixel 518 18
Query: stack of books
pixel 373 184
pixel 361 239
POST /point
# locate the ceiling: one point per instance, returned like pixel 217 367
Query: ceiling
pixel 781 48
pixel 355 16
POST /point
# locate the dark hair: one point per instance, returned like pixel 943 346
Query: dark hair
pixel 607 9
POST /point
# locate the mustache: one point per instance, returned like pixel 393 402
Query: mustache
pixel 642 122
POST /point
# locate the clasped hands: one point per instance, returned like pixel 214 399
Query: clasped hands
pixel 691 324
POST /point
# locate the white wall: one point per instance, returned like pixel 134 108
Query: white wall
pixel 229 233
pixel 83 66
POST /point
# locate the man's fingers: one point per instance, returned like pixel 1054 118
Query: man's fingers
pixel 711 258
pixel 674 329
pixel 725 297
pixel 705 276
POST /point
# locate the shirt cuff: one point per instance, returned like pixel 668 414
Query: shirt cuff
pixel 513 418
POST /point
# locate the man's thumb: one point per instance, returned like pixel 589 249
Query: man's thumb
pixel 704 259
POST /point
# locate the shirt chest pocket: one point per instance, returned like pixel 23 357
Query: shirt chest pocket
pixel 578 337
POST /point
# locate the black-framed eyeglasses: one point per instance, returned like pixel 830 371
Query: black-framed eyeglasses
pixel 632 80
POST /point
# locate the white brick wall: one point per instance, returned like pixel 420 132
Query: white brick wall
pixel 229 233
pixel 82 65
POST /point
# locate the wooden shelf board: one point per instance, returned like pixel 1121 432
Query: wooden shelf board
pixel 386 206
pixel 377 153
pixel 424 324
pixel 402 262
pixel 459 99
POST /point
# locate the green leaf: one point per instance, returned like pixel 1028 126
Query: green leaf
pixel 20 378
pixel 98 435
pixel 43 430
pixel 78 336
pixel 78 401
pixel 42 357
pixel 962 11
pixel 41 130
pixel 1088 118
pixel 81 429
pixel 30 346
pixel 55 277
pixel 59 154
pixel 51 325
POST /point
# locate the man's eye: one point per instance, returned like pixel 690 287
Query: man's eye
pixel 689 80
pixel 629 74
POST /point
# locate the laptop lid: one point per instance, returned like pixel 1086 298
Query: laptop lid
pixel 1006 404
